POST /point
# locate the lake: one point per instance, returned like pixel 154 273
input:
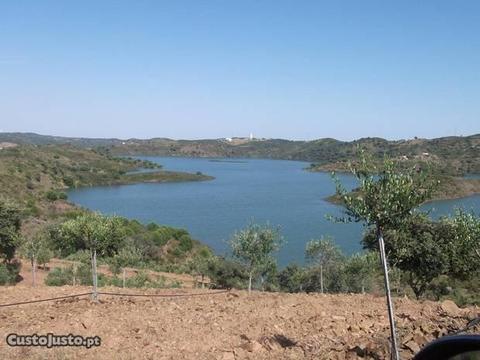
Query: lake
pixel 244 190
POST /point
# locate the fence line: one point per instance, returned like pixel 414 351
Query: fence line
pixel 43 300
pixel 164 295
pixel 113 294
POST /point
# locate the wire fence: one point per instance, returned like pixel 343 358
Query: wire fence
pixel 114 294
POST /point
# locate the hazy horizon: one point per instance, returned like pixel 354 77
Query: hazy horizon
pixel 219 138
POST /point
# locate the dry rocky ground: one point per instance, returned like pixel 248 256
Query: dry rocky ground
pixel 226 326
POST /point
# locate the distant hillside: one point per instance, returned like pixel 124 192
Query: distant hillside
pixel 450 155
pixel 36 175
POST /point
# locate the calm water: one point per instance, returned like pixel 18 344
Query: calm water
pixel 279 192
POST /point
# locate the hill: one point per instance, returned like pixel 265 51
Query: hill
pixel 36 175
pixel 454 155
pixel 225 326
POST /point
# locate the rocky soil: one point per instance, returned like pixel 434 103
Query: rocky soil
pixel 227 326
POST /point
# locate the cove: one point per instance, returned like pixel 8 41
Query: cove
pixel 276 191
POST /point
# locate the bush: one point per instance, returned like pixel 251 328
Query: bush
pixel 59 277
pixel 186 243
pixel 227 274
pixel 11 272
pixel 4 275
pixel 53 195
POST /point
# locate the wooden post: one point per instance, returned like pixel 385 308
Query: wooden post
pixel 391 317
pixel 94 274
pixel 124 277
pixel 34 271
pixel 321 279
pixel 74 273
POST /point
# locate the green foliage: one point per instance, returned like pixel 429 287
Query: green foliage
pixel 127 256
pixel 323 252
pixel 53 195
pixel 292 279
pixel 386 195
pixel 425 250
pixel 4 275
pixel 59 277
pixel 360 272
pixel 465 235
pixel 254 247
pixel 9 272
pixel 93 231
pixel 37 248
pixel 227 274
pixel 186 243
pixel 9 230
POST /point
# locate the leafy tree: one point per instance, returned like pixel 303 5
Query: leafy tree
pixel 253 247
pixel 421 248
pixel 323 253
pixel 386 197
pixel 37 250
pixel 9 230
pixel 227 274
pixel 99 234
pixel 360 270
pixel 200 264
pixel 127 256
pixel 465 235
pixel 292 278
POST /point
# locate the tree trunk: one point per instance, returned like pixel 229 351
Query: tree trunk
pixel 203 281
pixel 124 277
pixel 94 275
pixel 74 274
pixel 321 279
pixel 391 316
pixel 250 282
pixel 34 271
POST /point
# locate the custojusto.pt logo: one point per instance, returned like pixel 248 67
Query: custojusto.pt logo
pixel 51 340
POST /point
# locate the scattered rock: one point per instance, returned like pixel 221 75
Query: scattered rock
pixel 450 308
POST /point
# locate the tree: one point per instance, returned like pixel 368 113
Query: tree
pixel 99 234
pixel 127 256
pixel 36 249
pixel 386 197
pixel 292 278
pixel 253 247
pixel 322 253
pixel 465 234
pixel 200 264
pixel 360 270
pixel 9 230
pixel 421 248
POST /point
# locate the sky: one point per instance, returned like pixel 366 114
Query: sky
pixel 211 69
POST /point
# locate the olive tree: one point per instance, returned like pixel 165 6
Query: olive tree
pixel 323 253
pixel 36 249
pixel 127 256
pixel 99 234
pixel 465 235
pixel 385 198
pixel 253 247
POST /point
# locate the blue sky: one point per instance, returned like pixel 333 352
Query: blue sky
pixel 208 69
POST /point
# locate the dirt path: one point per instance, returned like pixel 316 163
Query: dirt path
pixel 224 326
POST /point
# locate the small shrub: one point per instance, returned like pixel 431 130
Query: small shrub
pixel 59 277
pixel 4 275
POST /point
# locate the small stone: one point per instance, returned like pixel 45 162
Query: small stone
pixel 413 346
pixel 228 356
pixel 449 307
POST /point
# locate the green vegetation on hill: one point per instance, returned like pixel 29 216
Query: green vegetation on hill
pixel 454 155
pixel 450 158
pixel 37 176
